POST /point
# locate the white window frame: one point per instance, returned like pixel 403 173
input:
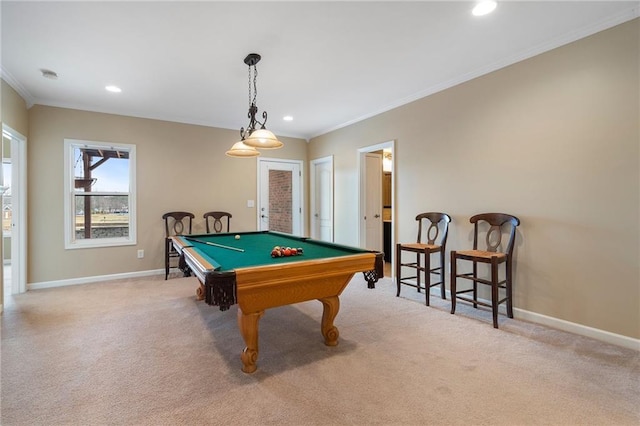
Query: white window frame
pixel 70 240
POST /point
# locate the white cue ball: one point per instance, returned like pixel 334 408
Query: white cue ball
pixel 237 237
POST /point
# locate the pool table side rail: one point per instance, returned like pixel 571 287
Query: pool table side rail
pixel 266 286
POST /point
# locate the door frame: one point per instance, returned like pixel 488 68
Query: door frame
pixel 19 210
pixel 312 196
pixel 300 195
pixel 362 189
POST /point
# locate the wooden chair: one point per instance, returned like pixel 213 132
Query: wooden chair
pixel 492 224
pixel 218 219
pixel 175 223
pixel 438 225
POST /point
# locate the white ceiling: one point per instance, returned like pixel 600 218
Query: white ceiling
pixel 328 64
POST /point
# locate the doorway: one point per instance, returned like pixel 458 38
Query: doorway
pixel 280 196
pixel 13 193
pixel 377 198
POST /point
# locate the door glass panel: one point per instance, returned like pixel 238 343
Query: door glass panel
pixel 280 201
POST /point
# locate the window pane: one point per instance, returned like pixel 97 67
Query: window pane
pixel 101 170
pixel 101 216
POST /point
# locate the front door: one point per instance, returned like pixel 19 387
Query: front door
pixel 279 203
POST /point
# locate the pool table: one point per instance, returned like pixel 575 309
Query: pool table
pixel 239 268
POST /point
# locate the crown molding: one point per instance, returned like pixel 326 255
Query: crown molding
pixel 18 87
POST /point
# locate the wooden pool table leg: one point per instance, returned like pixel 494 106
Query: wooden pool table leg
pixel 200 292
pixel 329 331
pixel 248 324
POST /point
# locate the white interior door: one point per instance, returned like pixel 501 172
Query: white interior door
pixel 280 196
pixel 322 199
pixel 372 218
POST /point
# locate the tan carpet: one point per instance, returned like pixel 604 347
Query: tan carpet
pixel 146 352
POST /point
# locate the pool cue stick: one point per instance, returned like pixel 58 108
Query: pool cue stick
pixel 215 244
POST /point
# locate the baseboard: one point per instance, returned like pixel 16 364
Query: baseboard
pixel 94 279
pixel 560 324
pixel 579 329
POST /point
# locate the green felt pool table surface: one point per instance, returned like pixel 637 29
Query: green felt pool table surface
pixel 257 248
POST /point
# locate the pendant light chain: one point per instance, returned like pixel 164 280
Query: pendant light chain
pixel 253 91
pixel 255 84
pixel 249 84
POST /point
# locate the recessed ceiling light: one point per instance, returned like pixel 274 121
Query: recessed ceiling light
pixel 49 74
pixel 484 8
pixel 287 118
pixel 114 89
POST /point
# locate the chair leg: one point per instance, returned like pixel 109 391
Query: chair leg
pixel 166 258
pixel 427 275
pixel 452 282
pixel 475 284
pixel 509 289
pixel 494 290
pixel 442 274
pixel 398 267
pixel 418 267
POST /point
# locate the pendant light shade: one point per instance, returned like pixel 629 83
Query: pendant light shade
pixel 263 138
pixel 239 149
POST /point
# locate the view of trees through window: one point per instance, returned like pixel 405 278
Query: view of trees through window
pixel 109 216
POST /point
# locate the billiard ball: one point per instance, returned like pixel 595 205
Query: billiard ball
pixel 237 237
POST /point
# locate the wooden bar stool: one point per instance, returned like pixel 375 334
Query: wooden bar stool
pixel 219 219
pixel 490 256
pixel 438 225
pixel 175 223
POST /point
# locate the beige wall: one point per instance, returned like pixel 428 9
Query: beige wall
pixel 179 167
pixel 553 140
pixel 14 110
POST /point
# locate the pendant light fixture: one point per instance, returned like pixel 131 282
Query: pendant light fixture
pixel 239 149
pixel 255 135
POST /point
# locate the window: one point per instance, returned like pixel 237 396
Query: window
pixel 99 194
